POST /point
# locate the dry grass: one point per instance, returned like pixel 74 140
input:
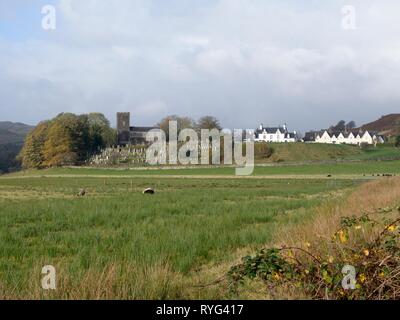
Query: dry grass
pixel 379 200
pixel 115 281
pixel 368 198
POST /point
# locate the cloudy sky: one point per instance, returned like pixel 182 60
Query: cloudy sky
pixel 243 61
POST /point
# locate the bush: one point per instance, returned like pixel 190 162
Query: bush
pixel 317 271
pixel 262 150
pixel 397 142
pixel 365 146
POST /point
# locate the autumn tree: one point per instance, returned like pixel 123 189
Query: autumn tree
pixel 208 122
pixel 67 139
pixel 32 153
pixel 182 123
pixel 59 146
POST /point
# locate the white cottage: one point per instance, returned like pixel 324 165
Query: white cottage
pixel 274 134
pixel 355 138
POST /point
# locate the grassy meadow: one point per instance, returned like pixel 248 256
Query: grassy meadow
pixel 116 242
pixel 311 152
pixel 349 169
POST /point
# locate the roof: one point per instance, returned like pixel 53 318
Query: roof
pixel 270 130
pixel 142 129
pixel 312 135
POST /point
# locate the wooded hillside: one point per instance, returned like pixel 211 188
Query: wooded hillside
pixel 12 137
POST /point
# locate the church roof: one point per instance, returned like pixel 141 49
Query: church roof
pixel 142 129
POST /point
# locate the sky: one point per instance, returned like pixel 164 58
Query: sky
pixel 245 62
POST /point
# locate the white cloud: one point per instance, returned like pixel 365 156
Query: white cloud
pixel 243 61
pixel 151 108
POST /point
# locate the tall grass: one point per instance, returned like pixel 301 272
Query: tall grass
pixel 361 231
pixel 118 243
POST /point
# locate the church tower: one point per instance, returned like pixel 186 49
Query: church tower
pixel 123 127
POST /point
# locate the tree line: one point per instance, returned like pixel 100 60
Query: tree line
pixel 343 126
pixel 68 139
pixel 206 122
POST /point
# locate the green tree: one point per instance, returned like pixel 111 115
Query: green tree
pixel 78 129
pixel 351 125
pixel 100 132
pixel 340 126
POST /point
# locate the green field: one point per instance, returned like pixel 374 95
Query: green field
pixel 354 168
pixel 187 224
pixel 119 243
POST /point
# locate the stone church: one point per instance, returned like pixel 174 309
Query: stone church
pixel 128 135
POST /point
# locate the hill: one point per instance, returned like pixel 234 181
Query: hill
pixel 387 125
pixel 12 137
pixel 15 127
pixel 294 152
pixel 315 152
pixel 11 132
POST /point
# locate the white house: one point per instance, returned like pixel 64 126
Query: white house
pixel 274 134
pixel 356 138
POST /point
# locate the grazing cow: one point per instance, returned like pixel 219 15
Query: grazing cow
pixel 81 193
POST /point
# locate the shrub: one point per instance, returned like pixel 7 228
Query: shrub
pixel 397 142
pixel 370 244
pixel 365 146
pixel 262 150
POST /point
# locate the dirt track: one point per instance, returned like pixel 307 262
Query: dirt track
pixel 261 177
